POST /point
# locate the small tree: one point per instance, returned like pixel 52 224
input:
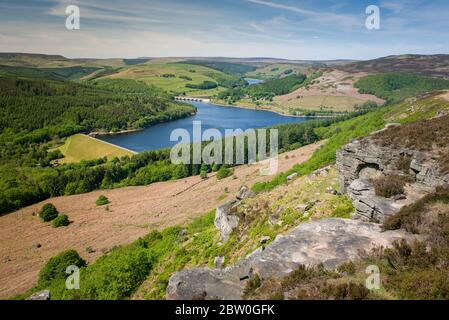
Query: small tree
pixel 205 167
pixel 102 200
pixel 56 267
pixel 223 173
pixel 48 212
pixel 61 221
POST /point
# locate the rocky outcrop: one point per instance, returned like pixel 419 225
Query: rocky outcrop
pixel 370 207
pixel 226 219
pixel 366 159
pixel 42 295
pixel 244 193
pixel 362 161
pixel 328 241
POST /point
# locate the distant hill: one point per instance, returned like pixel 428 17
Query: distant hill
pixel 226 67
pixel 263 61
pixel 33 60
pixel 424 65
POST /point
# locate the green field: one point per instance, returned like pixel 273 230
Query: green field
pixel 324 103
pixel 81 147
pixel 274 71
pixel 180 75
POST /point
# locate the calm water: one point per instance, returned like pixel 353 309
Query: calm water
pixel 253 81
pixel 210 115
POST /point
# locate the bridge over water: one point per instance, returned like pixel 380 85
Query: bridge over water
pixel 192 99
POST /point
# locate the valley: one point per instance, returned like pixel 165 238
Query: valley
pixel 236 159
pixel 131 211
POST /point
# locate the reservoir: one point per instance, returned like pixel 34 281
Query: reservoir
pixel 210 115
pixel 252 81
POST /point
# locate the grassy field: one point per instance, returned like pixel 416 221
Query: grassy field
pixel 153 74
pixel 81 147
pixel 324 103
pixel 414 109
pixel 276 70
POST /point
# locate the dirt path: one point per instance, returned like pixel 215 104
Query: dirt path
pixel 445 95
pixel 133 212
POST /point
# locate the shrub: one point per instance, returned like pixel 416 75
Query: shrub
pixel 389 186
pixel 349 291
pixel 61 221
pixel 419 270
pixel 252 285
pixel 205 167
pixel 56 267
pixel 343 209
pixel 203 174
pixel 48 212
pixel 347 268
pixel 118 274
pixel 223 173
pixel 403 163
pixel 417 273
pixel 205 85
pixel 411 217
pixel 426 284
pixel 102 200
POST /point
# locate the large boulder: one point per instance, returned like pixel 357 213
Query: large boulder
pixel 226 219
pixel 367 205
pixel 244 193
pixel 198 284
pixel 328 241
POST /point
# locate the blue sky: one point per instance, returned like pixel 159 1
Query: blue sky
pixel 294 29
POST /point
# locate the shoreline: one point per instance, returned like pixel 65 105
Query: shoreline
pixel 95 134
pixel 277 112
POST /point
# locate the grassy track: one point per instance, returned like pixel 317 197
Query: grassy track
pixel 81 147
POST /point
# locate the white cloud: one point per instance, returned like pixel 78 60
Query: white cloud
pixel 255 26
pixel 113 29
pixel 284 7
pixel 320 18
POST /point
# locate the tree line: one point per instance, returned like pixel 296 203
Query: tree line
pixel 263 91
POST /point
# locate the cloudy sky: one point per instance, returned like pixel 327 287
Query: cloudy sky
pixel 294 29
